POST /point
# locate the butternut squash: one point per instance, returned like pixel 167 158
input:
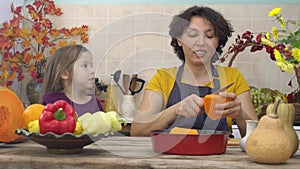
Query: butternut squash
pixel 11 109
pixel 286 113
pixel 269 143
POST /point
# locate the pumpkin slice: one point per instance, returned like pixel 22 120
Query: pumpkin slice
pixel 11 109
pixel 179 130
pixel 210 102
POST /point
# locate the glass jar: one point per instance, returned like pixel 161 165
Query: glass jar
pixel 128 108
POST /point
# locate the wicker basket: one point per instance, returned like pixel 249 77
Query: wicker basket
pixel 297 113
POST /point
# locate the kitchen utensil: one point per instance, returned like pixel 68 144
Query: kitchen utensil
pixel 208 142
pixel 133 84
pixel 126 83
pixel 223 89
pixel 116 77
pixel 100 85
pixel 136 80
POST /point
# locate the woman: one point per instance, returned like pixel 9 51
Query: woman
pixel 174 96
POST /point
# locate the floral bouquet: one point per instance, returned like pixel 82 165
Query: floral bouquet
pixel 27 40
pixel 282 44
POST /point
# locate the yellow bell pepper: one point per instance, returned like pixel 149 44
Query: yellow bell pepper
pixel 78 128
pixel 101 122
pixel 116 121
pixel 33 126
pixel 97 123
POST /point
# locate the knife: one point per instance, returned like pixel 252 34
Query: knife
pixel 223 89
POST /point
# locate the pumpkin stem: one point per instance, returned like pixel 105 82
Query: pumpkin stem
pixel 273 114
pixel 60 114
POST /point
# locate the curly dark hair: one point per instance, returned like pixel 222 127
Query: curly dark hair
pixel 223 29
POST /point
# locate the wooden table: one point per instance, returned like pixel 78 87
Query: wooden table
pixel 125 152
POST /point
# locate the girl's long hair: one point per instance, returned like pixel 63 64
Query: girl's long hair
pixel 62 60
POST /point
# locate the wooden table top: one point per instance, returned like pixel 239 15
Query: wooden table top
pixel 125 152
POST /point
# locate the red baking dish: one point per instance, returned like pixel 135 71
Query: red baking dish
pixel 208 142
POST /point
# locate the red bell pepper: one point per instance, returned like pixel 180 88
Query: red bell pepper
pixel 59 118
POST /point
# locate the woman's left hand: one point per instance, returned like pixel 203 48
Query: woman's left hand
pixel 231 108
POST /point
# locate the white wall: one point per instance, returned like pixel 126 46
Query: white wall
pixel 5 13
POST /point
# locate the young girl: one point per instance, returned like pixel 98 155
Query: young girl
pixel 70 77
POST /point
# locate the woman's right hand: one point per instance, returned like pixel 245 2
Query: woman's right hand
pixel 190 106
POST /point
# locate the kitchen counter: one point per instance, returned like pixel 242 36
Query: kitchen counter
pixel 125 152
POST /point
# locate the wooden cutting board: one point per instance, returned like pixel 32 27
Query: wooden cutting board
pixel 233 142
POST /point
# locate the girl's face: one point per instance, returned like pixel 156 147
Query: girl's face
pixel 84 73
pixel 198 41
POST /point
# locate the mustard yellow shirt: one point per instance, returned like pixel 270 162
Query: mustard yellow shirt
pixel 163 81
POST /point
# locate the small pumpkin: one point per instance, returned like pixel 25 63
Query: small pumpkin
pixel 269 143
pixel 11 109
pixel 286 113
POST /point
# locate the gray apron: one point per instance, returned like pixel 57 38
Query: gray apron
pixel 181 91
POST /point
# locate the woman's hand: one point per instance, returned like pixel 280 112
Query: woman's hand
pixel 232 108
pixel 190 106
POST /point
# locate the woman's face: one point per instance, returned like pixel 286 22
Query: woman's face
pixel 198 41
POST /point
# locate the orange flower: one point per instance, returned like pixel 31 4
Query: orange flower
pixel 12 76
pixel 39 57
pixel 62 43
pixel 54 33
pixel 26 43
pixel 52 50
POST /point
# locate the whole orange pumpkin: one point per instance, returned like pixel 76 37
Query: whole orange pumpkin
pixel 11 109
pixel 32 112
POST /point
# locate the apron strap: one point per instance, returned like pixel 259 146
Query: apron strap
pixel 215 75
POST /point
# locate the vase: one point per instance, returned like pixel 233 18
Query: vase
pixel 111 98
pixel 128 108
pixel 34 91
pixel 250 126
